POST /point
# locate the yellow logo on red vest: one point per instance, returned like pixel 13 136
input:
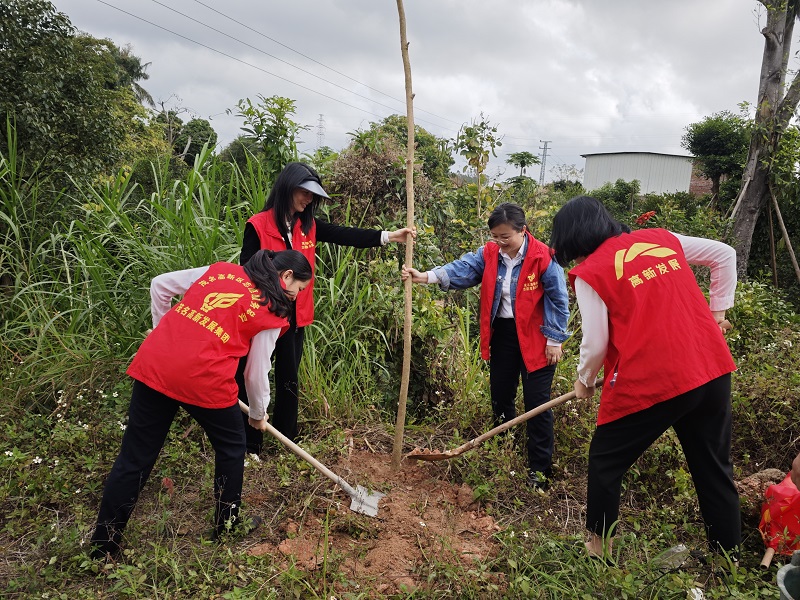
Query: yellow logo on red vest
pixel 639 249
pixel 219 300
pixel 531 283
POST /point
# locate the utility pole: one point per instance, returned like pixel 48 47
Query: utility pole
pixel 544 160
pixel 321 131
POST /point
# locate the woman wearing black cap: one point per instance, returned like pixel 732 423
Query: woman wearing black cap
pixel 288 221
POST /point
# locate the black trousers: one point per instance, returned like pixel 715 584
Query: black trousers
pixel 505 369
pixel 701 419
pixel 285 366
pixel 149 418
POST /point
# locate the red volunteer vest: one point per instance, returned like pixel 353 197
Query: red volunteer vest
pixel 193 353
pixel 270 237
pixel 528 307
pixel 663 340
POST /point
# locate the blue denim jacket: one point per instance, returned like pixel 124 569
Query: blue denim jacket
pixel 467 272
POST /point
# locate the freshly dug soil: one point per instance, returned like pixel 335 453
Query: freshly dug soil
pixel 421 519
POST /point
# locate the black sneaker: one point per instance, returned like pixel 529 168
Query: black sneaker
pixel 538 481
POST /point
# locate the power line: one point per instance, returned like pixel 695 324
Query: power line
pixel 272 55
pixel 211 8
pixel 240 60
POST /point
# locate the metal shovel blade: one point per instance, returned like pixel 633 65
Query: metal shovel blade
pixel 365 502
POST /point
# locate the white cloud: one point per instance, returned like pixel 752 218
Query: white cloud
pixel 589 76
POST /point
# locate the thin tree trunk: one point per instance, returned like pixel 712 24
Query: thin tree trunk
pixel 397 449
pixel 785 235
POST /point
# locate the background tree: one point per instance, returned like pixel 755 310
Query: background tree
pixel 171 123
pixel 192 137
pixel 435 153
pixel 64 93
pixel 130 72
pixel 475 143
pixel 522 160
pixel 719 144
pixel 269 123
pixel 774 109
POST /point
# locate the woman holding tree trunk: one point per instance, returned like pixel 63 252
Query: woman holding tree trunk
pixel 288 220
pixel 523 321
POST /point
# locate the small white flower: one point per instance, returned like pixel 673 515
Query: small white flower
pixel 55 461
pixel 60 392
pixel 115 394
pixel 58 415
pixel 80 396
pixel 422 524
pixel 53 539
pixel 525 534
pixel 9 453
pixel 37 460
pixel 78 491
pixel 512 473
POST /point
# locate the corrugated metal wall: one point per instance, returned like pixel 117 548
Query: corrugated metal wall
pixel 657 173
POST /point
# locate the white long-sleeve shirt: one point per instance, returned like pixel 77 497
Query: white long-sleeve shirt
pixel 720 257
pixel 165 287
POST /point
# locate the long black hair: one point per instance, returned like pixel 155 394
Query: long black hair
pixel 280 197
pixel 264 269
pixel 508 213
pixel 580 226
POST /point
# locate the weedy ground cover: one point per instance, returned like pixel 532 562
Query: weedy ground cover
pixel 74 272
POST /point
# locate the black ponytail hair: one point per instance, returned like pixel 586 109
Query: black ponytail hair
pixel 264 269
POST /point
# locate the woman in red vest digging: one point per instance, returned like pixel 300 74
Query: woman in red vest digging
pixel 646 322
pixel 288 221
pixel 523 321
pixel 189 360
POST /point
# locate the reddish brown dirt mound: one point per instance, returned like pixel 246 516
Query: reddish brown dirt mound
pixel 421 520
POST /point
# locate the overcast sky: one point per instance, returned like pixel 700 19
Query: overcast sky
pixel 587 75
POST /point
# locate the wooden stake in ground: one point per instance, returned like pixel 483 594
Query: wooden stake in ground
pixel 785 234
pixel 397 449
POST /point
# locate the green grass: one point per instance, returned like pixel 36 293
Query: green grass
pixel 74 274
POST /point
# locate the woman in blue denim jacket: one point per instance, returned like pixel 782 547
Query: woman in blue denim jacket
pixel 524 314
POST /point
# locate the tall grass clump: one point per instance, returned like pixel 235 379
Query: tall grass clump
pixel 78 289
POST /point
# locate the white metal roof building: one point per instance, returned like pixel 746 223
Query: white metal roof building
pixel 657 173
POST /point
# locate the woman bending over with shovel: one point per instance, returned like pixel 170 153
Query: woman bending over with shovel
pixel 523 321
pixel 288 220
pixel 646 322
pixel 189 361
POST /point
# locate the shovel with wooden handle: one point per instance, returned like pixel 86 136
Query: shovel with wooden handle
pixel 431 455
pixel 363 501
